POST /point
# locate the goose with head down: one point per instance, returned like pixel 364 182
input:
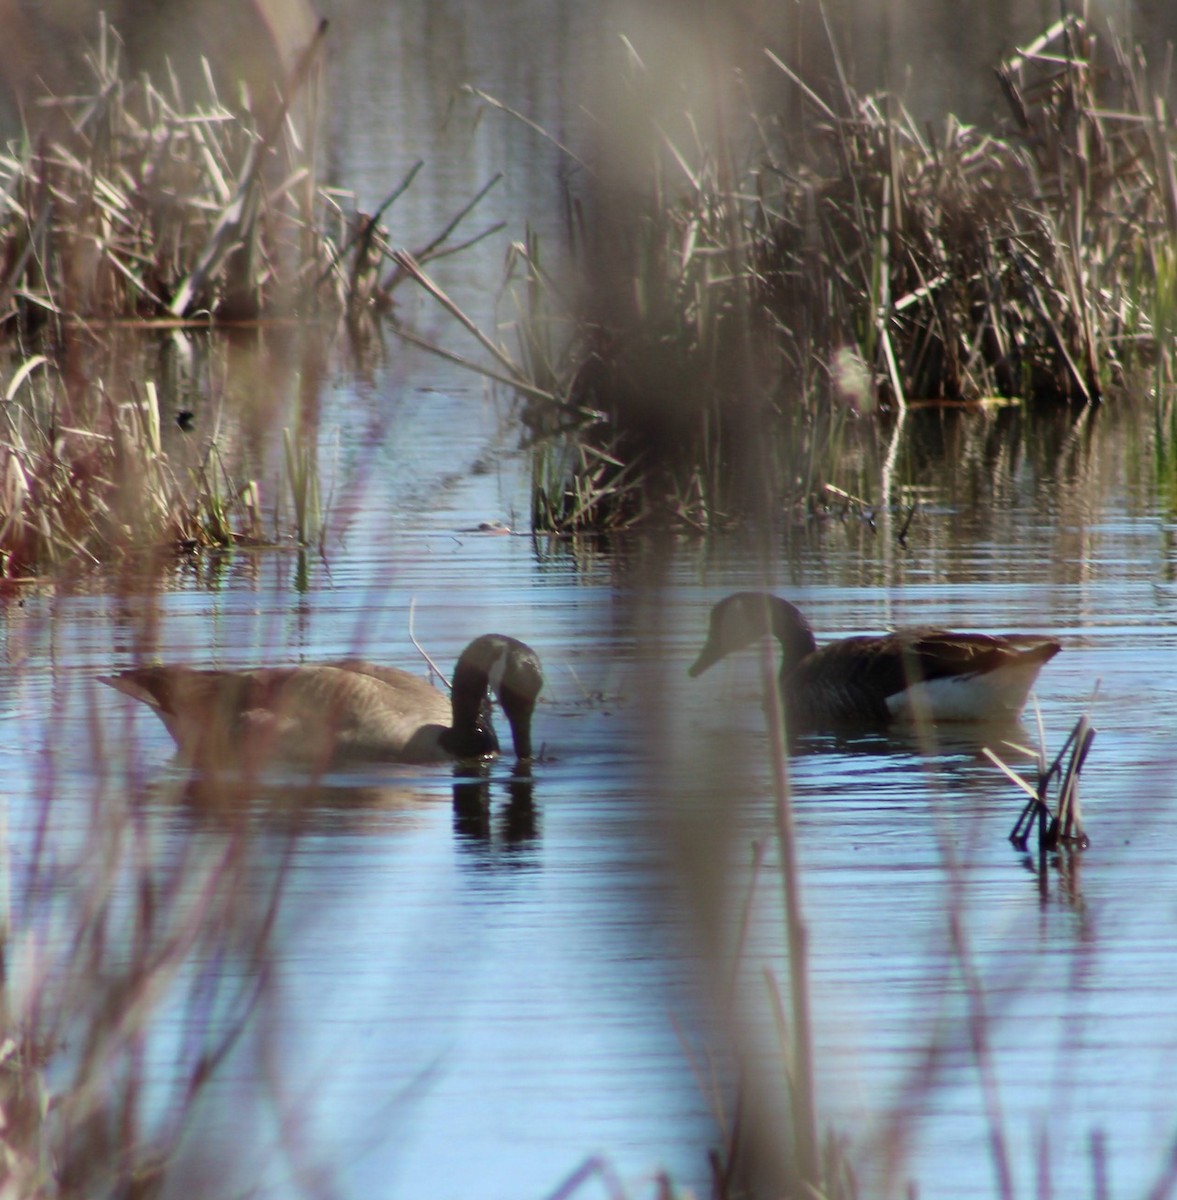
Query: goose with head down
pixel 351 711
pixel 916 674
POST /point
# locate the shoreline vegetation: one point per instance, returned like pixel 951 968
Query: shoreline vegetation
pixel 749 313
pixel 753 311
pixel 137 212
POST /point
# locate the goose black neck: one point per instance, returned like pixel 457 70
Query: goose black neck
pixel 512 671
pixel 472 734
pixel 793 633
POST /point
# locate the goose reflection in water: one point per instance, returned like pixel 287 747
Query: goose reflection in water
pixel 474 818
pixel 341 806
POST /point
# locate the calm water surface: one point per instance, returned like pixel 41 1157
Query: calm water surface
pixel 486 968
pixel 1073 965
pixel 479 987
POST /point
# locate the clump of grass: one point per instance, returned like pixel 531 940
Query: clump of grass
pixel 704 378
pixel 574 483
pixel 656 411
pixel 1062 823
pixel 137 203
pixel 673 396
pixel 134 205
pixel 977 263
pixel 85 479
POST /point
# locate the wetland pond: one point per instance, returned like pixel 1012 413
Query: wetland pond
pixel 475 986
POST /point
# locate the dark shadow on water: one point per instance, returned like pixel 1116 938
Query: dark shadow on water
pixel 1058 876
pixel 946 742
pixel 475 821
pixel 339 805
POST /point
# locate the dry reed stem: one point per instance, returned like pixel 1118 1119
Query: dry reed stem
pixel 803 1089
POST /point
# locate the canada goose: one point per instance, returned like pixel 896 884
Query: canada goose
pixel 910 674
pixel 349 711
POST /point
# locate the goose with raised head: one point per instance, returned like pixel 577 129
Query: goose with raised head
pixel 351 711
pixel 916 674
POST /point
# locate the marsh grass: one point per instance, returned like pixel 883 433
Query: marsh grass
pixel 993 263
pixel 756 294
pixel 85 480
pixel 1025 262
pixel 1061 823
pixel 141 203
pixel 134 204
